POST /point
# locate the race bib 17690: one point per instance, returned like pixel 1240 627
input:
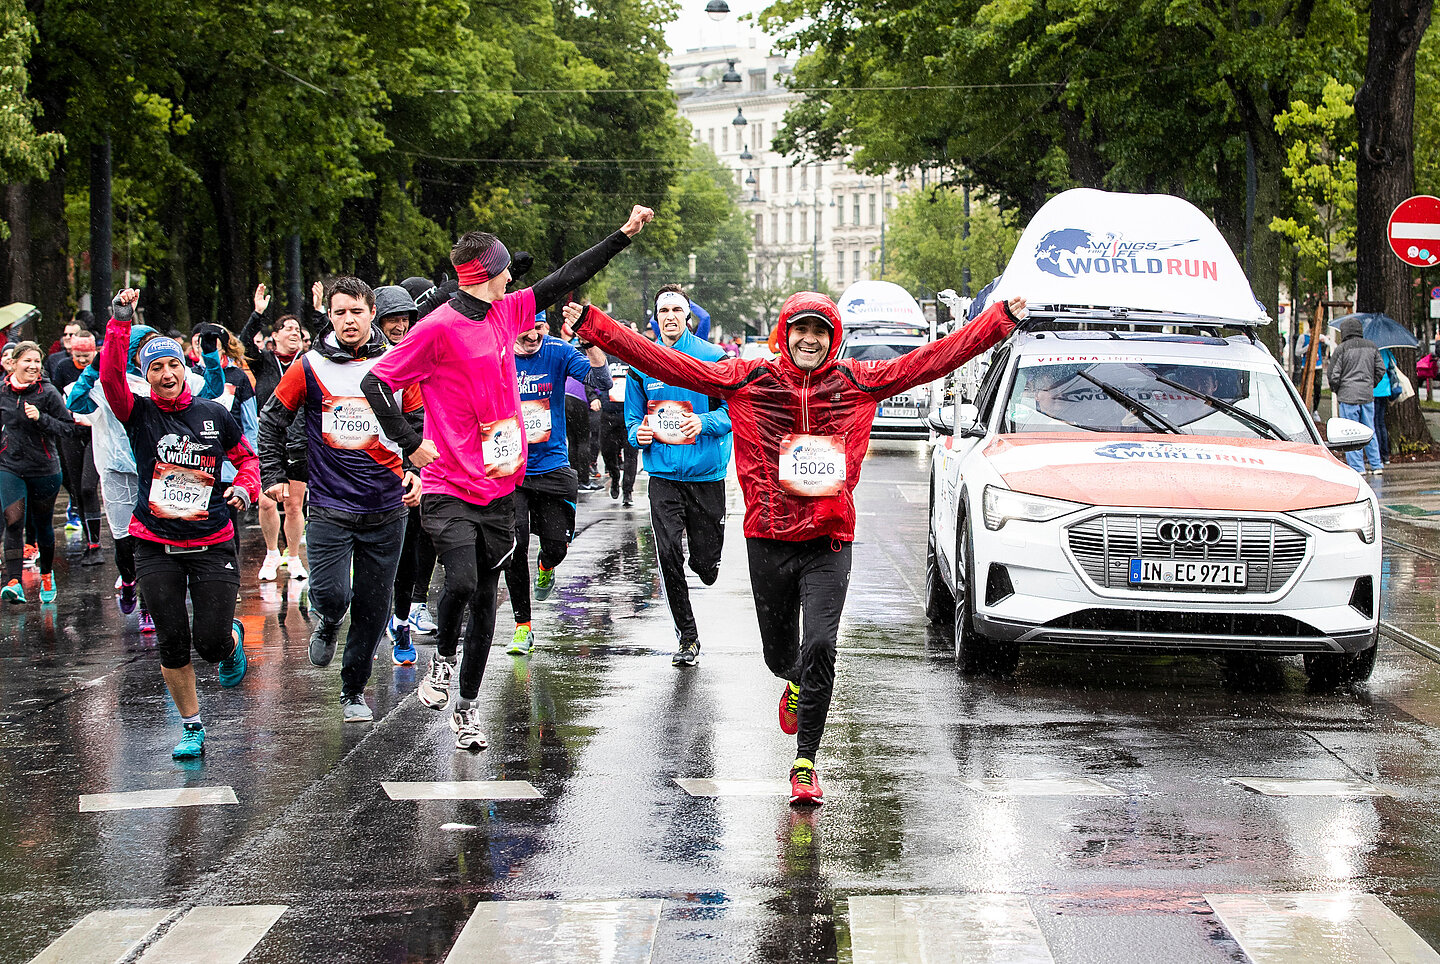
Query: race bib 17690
pixel 812 465
pixel 347 422
pixel 177 492
pixel 503 447
pixel 666 418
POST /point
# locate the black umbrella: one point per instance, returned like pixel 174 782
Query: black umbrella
pixel 1383 330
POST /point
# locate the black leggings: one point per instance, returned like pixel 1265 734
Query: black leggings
pixel 125 557
pixel 787 579
pixel 38 496
pixel 165 581
pixel 83 484
pixel 621 458
pixel 417 567
pixel 470 582
pixel 553 516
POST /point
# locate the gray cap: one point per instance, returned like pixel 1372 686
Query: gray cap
pixel 394 300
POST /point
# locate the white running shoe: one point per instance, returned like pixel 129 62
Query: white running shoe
pixel 297 569
pixel 270 567
pixel 466 724
pixel 434 689
pixel 421 621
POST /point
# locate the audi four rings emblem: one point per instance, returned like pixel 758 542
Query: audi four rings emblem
pixel 1174 532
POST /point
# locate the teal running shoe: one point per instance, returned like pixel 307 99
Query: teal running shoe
pixel 13 592
pixel 523 642
pixel 232 667
pixel 544 581
pixel 192 743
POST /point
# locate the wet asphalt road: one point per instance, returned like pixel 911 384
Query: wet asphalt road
pixel 600 724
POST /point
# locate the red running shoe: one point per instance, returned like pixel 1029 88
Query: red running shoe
pixel 790 709
pixel 805 785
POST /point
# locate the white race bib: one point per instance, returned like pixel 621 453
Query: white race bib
pixel 503 447
pixel 180 493
pixel 665 419
pixel 812 465
pixel 536 412
pixel 348 422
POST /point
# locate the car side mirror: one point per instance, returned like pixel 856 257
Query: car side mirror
pixel 1347 435
pixel 942 420
pixel 967 421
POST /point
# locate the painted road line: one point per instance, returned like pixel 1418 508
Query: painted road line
pixel 463 790
pixel 558 932
pixel 734 788
pixel 1302 787
pixel 102 937
pixel 1043 787
pixel 147 799
pixel 959 929
pixel 214 935
pixel 1315 928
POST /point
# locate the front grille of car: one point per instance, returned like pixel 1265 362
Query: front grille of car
pixel 1105 544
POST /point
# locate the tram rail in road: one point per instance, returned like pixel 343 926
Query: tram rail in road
pixel 1390 631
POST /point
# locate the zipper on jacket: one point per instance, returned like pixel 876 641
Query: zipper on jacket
pixel 805 402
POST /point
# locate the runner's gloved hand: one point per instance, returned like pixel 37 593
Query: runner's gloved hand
pixel 122 306
pixel 520 264
pixel 434 298
pixel 210 337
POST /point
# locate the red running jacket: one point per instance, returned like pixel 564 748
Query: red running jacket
pixel 782 415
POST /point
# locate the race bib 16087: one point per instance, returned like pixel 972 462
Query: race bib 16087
pixel 665 419
pixel 177 492
pixel 503 447
pixel 812 465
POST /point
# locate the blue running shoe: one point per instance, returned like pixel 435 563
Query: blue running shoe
pixel 404 652
pixel 13 592
pixel 47 588
pixel 232 667
pixel 72 520
pixel 192 742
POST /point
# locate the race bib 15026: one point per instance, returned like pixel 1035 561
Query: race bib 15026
pixel 177 492
pixel 812 465
pixel 666 418
pixel 348 422
pixel 503 447
pixel 536 412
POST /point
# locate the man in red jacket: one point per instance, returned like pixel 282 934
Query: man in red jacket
pixel 802 426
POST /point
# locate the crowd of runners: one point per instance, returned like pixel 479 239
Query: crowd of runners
pixel 397 428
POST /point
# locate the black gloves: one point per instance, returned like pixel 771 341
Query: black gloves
pixel 121 311
pixel 434 298
pixel 520 264
pixel 211 337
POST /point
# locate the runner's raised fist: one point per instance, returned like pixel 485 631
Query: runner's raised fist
pixel 639 217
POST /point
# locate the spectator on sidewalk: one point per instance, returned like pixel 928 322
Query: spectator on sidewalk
pixel 1355 369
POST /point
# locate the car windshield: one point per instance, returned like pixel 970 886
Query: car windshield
pixel 876 351
pixel 1091 397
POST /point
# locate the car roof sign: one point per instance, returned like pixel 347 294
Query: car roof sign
pixel 1148 258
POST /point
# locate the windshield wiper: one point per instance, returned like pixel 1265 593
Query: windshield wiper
pixel 1137 408
pixel 1257 422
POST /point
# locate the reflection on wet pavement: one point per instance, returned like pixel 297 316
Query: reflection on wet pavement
pixel 1084 807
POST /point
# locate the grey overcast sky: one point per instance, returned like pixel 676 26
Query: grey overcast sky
pixel 692 28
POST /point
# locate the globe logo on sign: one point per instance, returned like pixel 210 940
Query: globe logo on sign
pixel 1058 242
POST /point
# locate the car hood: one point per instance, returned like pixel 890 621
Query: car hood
pixel 1159 471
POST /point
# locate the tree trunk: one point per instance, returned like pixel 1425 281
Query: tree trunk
pixel 230 246
pixel 17 214
pixel 1385 176
pixel 175 261
pixel 1266 247
pixel 50 257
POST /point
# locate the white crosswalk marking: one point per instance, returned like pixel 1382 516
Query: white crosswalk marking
pixel 214 935
pixel 1317 928
pixel 1042 787
pixel 102 937
pixel 558 932
pixel 462 790
pixel 733 788
pixel 145 799
pixel 1309 787
pixel 959 929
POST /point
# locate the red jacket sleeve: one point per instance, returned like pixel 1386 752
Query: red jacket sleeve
pixel 112 369
pixel 247 468
pixel 720 378
pixel 940 357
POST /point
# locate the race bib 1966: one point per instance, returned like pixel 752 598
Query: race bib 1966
pixel 536 412
pixel 665 418
pixel 348 423
pixel 503 447
pixel 812 465
pixel 180 493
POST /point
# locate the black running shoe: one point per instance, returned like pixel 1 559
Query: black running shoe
pixel 687 655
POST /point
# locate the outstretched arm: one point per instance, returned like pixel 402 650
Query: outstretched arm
pixel 113 352
pixel 588 264
pixel 672 367
pixel 927 363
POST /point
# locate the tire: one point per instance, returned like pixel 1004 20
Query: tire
pixel 1329 670
pixel 939 602
pixel 974 651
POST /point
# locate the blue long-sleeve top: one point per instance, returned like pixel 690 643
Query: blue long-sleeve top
pixel 708 457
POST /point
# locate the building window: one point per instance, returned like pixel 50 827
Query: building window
pixel 759 135
pixel 804 224
pixel 855 220
pixel 839 210
pixel 789 227
pixel 872 209
pixel 712 138
pixel 857 264
pixel 839 267
pixel 819 175
pixel 725 146
pixel 774 180
pixel 804 177
pixel 789 180
pixel 759 229
pixel 757 79
pixel 775 228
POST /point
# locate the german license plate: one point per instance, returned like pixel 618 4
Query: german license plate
pixel 1186 572
pixel 898 411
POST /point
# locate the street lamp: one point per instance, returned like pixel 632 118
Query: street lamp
pixel 739 120
pixel 717 10
pixel 745 155
pixel 731 78
pixel 753 185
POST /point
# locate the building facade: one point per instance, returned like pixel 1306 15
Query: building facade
pixel 814 224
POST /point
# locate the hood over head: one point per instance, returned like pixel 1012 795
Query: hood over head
pixel 808 303
pixel 1351 328
pixel 394 300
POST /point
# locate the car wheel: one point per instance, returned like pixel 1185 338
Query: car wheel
pixel 939 602
pixel 1328 670
pixel 974 651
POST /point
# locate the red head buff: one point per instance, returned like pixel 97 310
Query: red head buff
pixel 490 263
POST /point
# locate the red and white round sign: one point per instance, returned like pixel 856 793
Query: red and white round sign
pixel 1414 231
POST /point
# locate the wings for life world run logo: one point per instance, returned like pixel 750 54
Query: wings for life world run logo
pixel 1166 452
pixel 1073 252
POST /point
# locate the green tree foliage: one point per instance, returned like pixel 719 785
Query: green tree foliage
pixel 1320 165
pixel 927 247
pixel 24 152
pixel 1427 114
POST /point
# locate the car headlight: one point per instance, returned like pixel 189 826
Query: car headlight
pixel 1005 505
pixel 1356 517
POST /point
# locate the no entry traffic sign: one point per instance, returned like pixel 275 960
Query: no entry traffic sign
pixel 1414 231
